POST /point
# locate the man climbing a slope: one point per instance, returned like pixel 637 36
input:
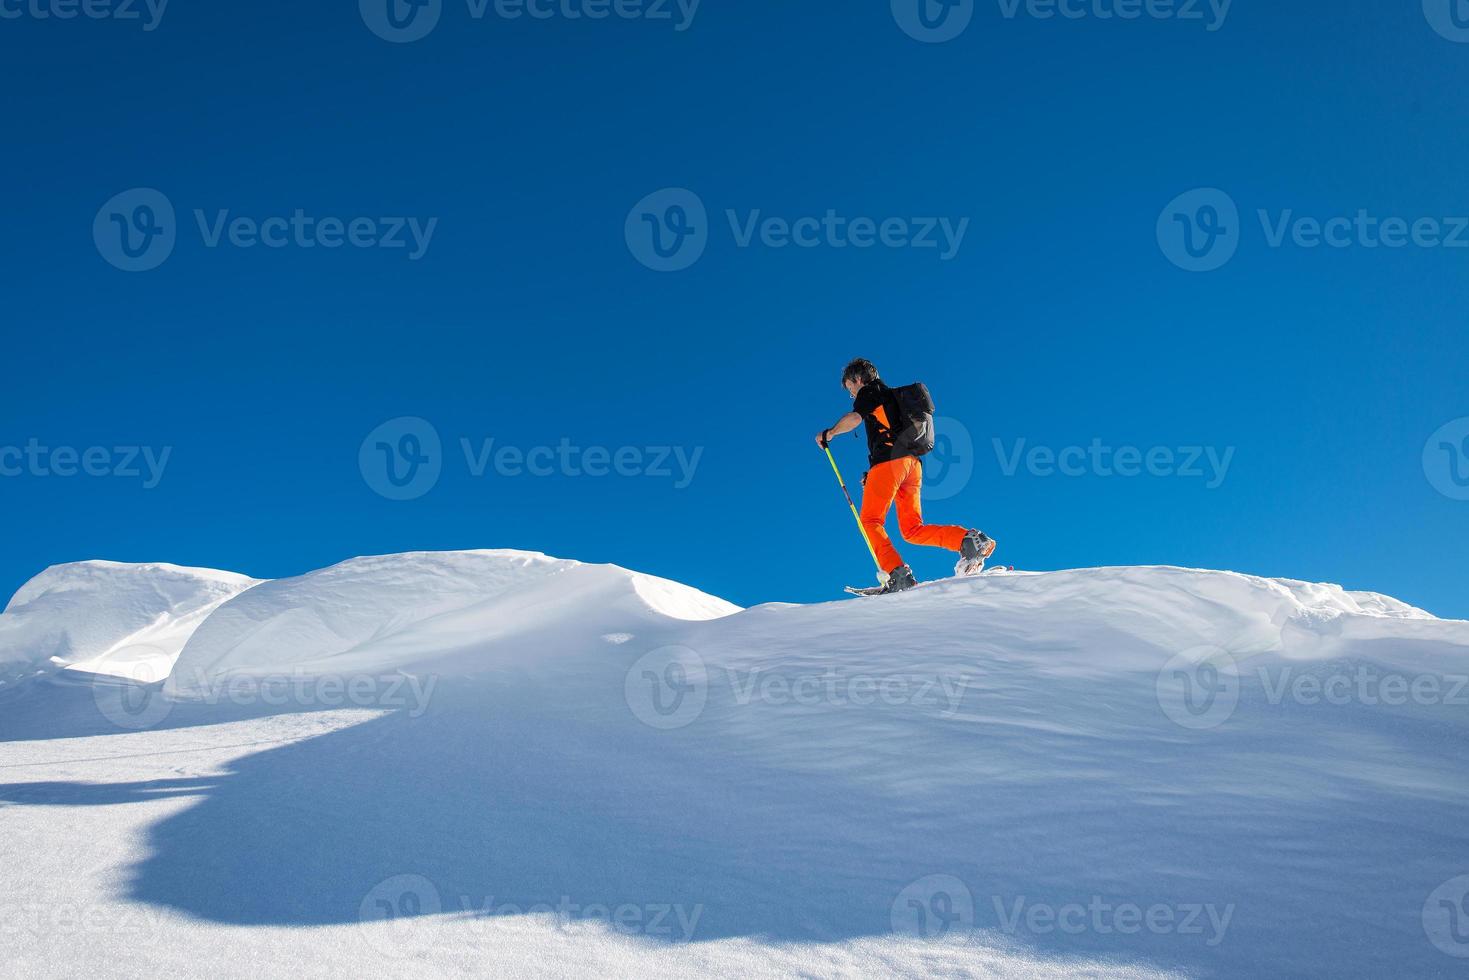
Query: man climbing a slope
pixel 895 441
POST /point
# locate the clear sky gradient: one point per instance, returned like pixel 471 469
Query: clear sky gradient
pixel 1065 324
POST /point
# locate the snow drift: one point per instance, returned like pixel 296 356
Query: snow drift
pixel 399 612
pixel 109 618
pixel 1127 772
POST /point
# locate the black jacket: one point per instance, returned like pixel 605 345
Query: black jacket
pixel 878 407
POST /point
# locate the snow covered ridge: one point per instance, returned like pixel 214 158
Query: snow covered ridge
pixel 108 617
pixel 1205 641
pixel 449 611
pixel 475 611
pixel 363 617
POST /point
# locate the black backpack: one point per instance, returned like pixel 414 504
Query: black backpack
pixel 913 433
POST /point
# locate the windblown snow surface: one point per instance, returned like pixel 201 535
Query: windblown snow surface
pixel 498 763
pixel 110 618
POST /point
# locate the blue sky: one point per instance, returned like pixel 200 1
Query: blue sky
pixel 1329 376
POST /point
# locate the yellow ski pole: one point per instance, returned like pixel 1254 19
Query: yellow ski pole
pixel 855 516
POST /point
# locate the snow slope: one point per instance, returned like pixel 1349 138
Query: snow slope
pixel 504 764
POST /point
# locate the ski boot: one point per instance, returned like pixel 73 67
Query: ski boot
pixel 973 550
pixel 899 579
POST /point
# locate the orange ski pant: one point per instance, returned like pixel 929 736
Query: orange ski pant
pixel 901 480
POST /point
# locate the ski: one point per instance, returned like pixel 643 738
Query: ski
pixel 854 590
pixel 878 590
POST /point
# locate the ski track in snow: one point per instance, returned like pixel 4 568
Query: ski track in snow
pixel 781 791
